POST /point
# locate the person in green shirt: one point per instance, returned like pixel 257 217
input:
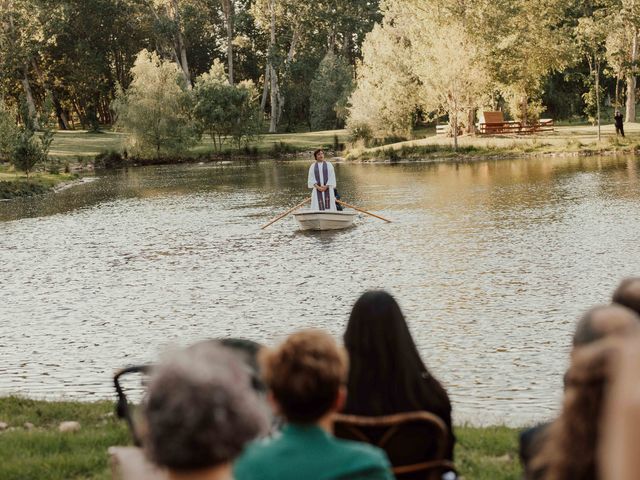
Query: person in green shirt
pixel 306 378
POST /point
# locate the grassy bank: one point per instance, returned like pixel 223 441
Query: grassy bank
pixel 15 184
pixel 43 453
pixel 569 139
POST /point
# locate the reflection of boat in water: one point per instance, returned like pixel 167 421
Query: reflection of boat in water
pixel 324 220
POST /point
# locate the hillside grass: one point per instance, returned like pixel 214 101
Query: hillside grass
pixel 43 453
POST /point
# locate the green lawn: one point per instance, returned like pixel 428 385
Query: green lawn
pixel 73 144
pixel 43 453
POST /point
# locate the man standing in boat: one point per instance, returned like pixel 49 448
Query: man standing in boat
pixel 322 179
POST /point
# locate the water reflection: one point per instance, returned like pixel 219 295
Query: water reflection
pixel 491 262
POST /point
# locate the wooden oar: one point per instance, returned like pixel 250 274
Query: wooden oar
pixel 285 213
pixel 363 211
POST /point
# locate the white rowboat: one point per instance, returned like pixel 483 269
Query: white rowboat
pixel 323 220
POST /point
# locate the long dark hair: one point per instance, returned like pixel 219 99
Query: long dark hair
pixel 386 374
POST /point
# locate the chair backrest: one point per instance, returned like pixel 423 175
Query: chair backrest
pixel 415 442
pixel 493 117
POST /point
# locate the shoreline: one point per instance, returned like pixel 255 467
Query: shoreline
pixel 15 186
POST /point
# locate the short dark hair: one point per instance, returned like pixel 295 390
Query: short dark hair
pixel 199 410
pixel 628 294
pixel 315 153
pixel 305 374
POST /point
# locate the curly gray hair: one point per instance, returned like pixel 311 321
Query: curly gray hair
pixel 199 410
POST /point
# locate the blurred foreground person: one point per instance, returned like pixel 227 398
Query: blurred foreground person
pixel 619 451
pixel 597 323
pixel 571 444
pixel 199 412
pixel 628 294
pixel 386 373
pixel 305 377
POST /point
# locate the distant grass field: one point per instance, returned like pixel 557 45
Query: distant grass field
pixel 74 144
pixel 564 139
pixel 43 453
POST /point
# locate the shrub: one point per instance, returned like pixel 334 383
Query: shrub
pixel 110 160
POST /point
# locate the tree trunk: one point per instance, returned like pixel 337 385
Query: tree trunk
pixel 524 106
pixel 597 74
pixel 62 120
pixel 455 131
pixel 630 113
pixel 273 125
pixel 227 7
pixel 274 77
pixel 181 49
pixel 265 88
pixel 31 105
pixel 471 121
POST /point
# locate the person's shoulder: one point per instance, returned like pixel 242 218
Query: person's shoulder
pixel 254 458
pixel 364 453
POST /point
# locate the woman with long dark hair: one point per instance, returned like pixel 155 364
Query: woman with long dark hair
pixel 386 374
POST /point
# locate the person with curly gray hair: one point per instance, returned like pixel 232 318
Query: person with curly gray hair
pixel 199 412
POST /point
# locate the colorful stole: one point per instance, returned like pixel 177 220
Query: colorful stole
pixel 323 203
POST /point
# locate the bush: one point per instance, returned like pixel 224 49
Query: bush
pixel 28 152
pixel 110 160
pixel 281 148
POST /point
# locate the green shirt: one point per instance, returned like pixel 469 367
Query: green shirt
pixel 310 453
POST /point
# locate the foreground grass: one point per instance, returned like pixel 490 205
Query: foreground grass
pixel 43 453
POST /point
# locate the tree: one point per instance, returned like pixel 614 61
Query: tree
pixel 591 34
pixel 453 73
pixel 622 48
pixel 155 110
pixel 387 93
pixel 226 111
pixel 30 150
pixel 330 90
pixel 20 35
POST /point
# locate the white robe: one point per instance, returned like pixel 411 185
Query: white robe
pixel 331 182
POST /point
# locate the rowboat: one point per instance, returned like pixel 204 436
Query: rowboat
pixel 323 220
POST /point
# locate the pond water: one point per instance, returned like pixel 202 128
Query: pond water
pixel 492 262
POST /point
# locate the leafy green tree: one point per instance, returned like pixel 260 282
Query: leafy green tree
pixel 590 35
pixel 453 73
pixel 387 93
pixel 155 110
pixel 330 91
pixel 225 111
pixel 29 149
pixel 27 152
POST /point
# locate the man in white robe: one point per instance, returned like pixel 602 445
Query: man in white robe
pixel 322 179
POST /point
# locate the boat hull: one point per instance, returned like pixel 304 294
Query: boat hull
pixel 319 220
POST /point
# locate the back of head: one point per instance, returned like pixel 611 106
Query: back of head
pixel 199 410
pixel 386 373
pixel 305 374
pixel 604 321
pixel 570 448
pixel 628 294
